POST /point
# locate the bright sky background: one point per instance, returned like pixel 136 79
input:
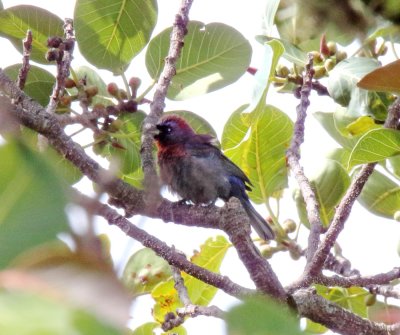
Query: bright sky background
pixel 369 242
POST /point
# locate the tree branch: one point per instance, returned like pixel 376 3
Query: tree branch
pixel 174 258
pixel 362 281
pixel 316 308
pixel 238 229
pixel 179 30
pixel 293 158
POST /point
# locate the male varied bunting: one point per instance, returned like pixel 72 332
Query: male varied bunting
pixel 196 170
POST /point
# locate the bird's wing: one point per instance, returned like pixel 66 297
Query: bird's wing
pixel 203 147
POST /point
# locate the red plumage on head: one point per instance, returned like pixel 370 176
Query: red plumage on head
pixel 178 120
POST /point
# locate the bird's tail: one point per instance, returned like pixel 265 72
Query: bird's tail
pixel 256 220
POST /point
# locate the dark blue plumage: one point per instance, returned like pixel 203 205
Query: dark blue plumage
pixel 195 169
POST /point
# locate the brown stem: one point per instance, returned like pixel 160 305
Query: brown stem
pixel 24 70
pixel 293 158
pixel 66 49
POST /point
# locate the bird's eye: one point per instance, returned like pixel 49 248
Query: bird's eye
pixel 169 129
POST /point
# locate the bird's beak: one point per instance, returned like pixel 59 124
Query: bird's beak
pixel 156 131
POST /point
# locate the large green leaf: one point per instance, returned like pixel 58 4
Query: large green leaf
pixel 210 257
pixel 261 153
pixel 144 270
pixel 215 55
pixel 375 146
pixel 46 315
pixel 15 21
pixel 381 195
pixel 235 129
pixel 342 84
pixel 329 181
pixel 111 33
pixel 39 83
pixel 262 316
pixel 31 201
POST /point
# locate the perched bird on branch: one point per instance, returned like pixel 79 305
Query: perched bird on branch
pixel 196 170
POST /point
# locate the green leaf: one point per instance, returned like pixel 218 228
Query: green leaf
pixel 383 79
pixel 166 300
pixel 342 84
pixel 39 83
pixel 261 154
pixel 215 55
pixel 199 124
pixel 314 328
pixel 375 146
pixel 67 171
pixel 46 315
pixel 330 182
pixel 31 201
pixel 328 122
pixel 234 130
pixel 361 125
pixel 144 270
pixel 394 163
pixel 210 257
pixel 390 32
pixel 352 298
pixel 261 316
pixel 273 50
pixel 380 195
pixel 123 148
pixel 93 79
pixel 15 22
pixel 134 178
pixel 292 53
pixel 111 34
pixel 268 17
pixel 340 155
pixel 146 329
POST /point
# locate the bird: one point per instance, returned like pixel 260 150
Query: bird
pixel 194 168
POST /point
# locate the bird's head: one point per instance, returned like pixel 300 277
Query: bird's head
pixel 172 130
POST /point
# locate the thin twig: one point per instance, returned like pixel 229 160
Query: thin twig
pixel 179 30
pixel 180 286
pixel 64 60
pixel 362 281
pixel 24 70
pixel 189 309
pixel 293 158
